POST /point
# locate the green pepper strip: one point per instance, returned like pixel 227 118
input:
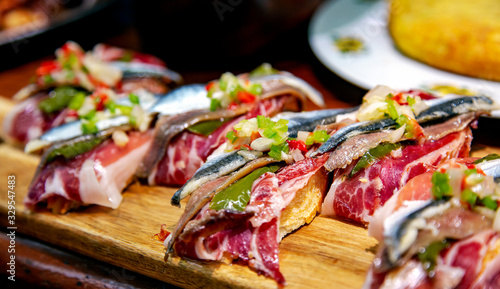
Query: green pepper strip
pixel 373 155
pixel 489 157
pixel 207 127
pixel 61 99
pixel 429 256
pixel 236 196
pixel 72 150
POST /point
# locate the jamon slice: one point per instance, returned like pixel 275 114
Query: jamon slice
pixel 97 176
pixel 280 202
pixel 358 197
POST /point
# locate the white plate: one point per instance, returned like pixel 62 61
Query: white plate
pixel 379 62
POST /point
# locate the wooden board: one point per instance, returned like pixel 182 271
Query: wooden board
pixel 328 253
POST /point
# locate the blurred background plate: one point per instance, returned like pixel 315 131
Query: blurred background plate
pixel 84 21
pixel 376 60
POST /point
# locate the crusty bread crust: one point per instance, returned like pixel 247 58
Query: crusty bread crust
pixel 305 205
pixel 461 36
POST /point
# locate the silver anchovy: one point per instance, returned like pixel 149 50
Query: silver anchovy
pixel 352 130
pixel 400 236
pixel 182 99
pixel 221 165
pixel 439 109
pixel 135 69
pixel 287 78
pixel 308 120
pixel 447 107
pixel 491 168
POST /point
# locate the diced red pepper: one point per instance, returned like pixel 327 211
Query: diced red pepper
pixel 297 144
pixel 232 105
pixel 255 135
pixel 47 67
pixel 400 99
pixel 471 166
pixel 247 146
pixel 245 96
pixel 146 58
pixel 422 94
pixel 418 131
pixel 100 101
pixel 209 85
pixel 72 113
pixel 163 233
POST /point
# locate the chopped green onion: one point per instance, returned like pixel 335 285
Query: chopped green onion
pixel 276 150
pixel 133 98
pixel 133 120
pixel 263 70
pixel 264 122
pixel 489 203
pixel 90 115
pixel 111 106
pixel 320 136
pixel 89 127
pixel 214 104
pixel 469 196
pixel 125 110
pixel 231 136
pixel 255 89
pixel 77 101
pixel 411 101
pixel 441 185
pixel 48 79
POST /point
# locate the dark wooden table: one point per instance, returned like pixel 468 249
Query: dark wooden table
pixel 44 265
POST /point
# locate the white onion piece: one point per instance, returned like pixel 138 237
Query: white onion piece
pixel 297 155
pixel 262 144
pixel 302 135
pixel 120 138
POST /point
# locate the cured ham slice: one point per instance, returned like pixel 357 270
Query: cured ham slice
pixel 97 176
pixel 42 107
pixel 358 197
pixel 251 236
pixel 188 151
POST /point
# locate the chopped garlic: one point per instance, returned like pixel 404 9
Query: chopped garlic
pixel 120 138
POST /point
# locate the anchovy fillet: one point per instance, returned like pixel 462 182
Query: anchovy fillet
pixel 352 130
pixel 308 120
pixel 135 69
pixel 219 166
pixel 443 108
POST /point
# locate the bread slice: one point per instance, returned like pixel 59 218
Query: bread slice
pixel 305 205
pixel 461 36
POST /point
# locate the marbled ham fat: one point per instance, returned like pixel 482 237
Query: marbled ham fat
pixel 188 151
pixel 95 177
pixel 254 240
pixel 358 197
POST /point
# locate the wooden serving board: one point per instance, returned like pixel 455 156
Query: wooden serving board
pixel 327 253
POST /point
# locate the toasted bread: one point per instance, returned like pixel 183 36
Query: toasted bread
pixel 460 36
pixel 305 205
